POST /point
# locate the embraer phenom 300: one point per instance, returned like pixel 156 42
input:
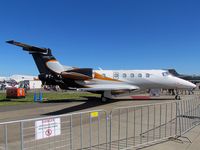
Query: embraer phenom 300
pixel 109 83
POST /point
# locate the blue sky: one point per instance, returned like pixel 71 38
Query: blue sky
pixel 126 34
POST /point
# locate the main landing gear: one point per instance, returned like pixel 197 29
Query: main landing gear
pixel 105 96
pixel 104 99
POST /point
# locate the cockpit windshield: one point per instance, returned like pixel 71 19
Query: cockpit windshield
pixel 165 74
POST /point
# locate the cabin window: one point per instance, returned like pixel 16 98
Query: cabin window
pixel 116 75
pixel 140 75
pixel 132 75
pixel 104 75
pixel 147 75
pixel 124 75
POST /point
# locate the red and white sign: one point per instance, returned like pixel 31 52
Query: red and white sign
pixel 47 128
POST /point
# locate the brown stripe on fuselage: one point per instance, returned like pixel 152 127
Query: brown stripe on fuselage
pixel 99 76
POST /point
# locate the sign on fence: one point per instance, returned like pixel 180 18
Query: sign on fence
pixel 94 114
pixel 47 128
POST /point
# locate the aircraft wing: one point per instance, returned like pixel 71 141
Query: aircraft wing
pixel 110 87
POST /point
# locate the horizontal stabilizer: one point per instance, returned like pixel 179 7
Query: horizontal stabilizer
pixel 29 48
pixel 41 57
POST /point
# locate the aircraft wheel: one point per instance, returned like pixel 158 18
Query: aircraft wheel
pixel 104 99
pixel 177 97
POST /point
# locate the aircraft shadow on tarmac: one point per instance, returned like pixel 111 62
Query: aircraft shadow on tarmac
pixel 5 100
pixel 12 100
pixel 89 103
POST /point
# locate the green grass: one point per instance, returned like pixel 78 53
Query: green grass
pixel 51 96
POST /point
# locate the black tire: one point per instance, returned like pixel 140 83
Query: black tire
pixel 177 97
pixel 104 99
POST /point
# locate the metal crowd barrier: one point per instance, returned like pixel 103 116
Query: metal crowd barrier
pixel 85 130
pixel 188 114
pixel 139 125
pixel 122 128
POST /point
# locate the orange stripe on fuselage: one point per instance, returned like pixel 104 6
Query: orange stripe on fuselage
pixel 99 76
pixel 52 60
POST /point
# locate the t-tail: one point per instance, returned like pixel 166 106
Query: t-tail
pixel 45 61
pixel 52 72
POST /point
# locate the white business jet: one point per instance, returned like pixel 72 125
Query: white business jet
pixel 109 83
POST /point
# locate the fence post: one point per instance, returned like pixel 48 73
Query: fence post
pixel 141 109
pixel 154 120
pixel 110 117
pixel 99 131
pixel 148 124
pixel 22 135
pixel 71 133
pixel 127 127
pixel 6 136
pixel 178 114
pixel 119 128
pixel 160 121
pixel 107 134
pixel 134 128
pixel 81 131
pixel 176 119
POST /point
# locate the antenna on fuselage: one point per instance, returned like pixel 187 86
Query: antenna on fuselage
pixel 100 68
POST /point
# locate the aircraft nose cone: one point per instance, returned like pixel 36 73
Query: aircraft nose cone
pixel 189 85
pixel 183 84
pixel 193 85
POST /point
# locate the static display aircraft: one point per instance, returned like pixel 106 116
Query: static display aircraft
pixel 192 78
pixel 111 84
